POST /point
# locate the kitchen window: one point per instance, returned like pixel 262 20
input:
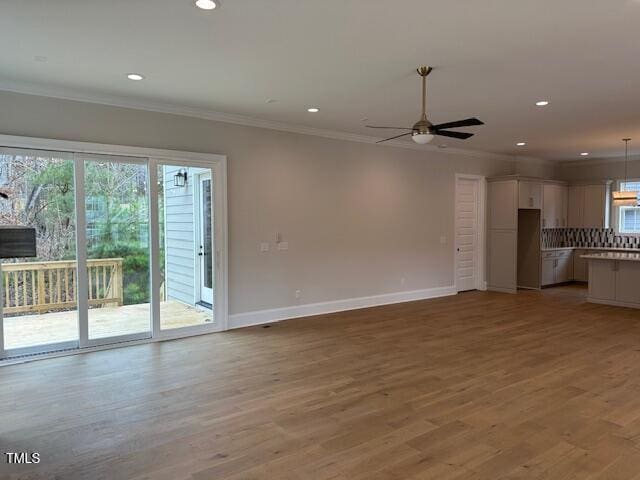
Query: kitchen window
pixel 628 218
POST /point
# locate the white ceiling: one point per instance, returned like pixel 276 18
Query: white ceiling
pixel 354 59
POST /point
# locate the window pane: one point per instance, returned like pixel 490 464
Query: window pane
pixel 39 301
pixel 186 247
pixel 630 219
pixel 117 215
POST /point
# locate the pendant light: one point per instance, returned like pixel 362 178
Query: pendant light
pixel 622 198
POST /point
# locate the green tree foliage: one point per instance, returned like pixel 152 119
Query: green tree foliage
pixel 43 196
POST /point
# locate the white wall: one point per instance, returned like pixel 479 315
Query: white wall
pixel 358 217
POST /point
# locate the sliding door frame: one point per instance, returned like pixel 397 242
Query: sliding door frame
pixel 154 157
pixel 219 235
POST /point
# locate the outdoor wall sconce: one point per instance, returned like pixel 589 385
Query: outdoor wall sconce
pixel 180 179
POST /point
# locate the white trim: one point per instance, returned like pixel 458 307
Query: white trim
pixel 221 239
pixel 154 243
pixel 481 283
pixel 36 349
pixel 81 252
pixel 617 158
pixel 259 317
pixel 247 121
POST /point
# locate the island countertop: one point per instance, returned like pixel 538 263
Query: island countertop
pixel 622 256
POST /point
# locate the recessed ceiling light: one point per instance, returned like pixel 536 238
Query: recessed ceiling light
pixel 584 154
pixel 542 103
pixel 207 4
pixel 521 144
pixel 135 77
pixel 313 110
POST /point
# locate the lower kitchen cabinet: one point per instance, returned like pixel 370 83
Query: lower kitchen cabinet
pixel 627 289
pixel 602 280
pixel 580 266
pixel 557 267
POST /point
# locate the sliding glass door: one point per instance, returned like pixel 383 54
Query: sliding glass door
pixel 116 192
pixel 187 253
pixel 39 308
pixel 128 247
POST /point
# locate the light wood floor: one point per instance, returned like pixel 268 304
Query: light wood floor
pixel 478 386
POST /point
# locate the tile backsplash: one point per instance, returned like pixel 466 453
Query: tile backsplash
pixel 587 237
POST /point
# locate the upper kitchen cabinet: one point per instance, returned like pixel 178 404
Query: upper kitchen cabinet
pixel 554 205
pixel 596 206
pixel 529 194
pixel 589 205
pixel 503 204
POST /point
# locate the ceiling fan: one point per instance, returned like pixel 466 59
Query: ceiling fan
pixel 423 131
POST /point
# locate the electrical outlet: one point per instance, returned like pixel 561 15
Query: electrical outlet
pixel 402 282
pixel 283 246
pixel 298 294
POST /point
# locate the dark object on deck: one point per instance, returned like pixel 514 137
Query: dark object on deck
pixel 17 242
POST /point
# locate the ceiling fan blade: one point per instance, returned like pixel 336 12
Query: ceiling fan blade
pixel 392 138
pixel 469 122
pixel 460 135
pixel 392 128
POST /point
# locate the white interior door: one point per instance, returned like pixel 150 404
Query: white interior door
pixel 206 247
pixel 466 225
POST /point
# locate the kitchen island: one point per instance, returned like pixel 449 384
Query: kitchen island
pixel 614 278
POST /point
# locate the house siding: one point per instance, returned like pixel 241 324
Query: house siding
pixel 180 266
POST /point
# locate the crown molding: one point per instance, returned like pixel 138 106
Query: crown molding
pixel 62 93
pixel 597 161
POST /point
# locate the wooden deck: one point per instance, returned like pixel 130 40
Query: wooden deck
pixel 480 386
pixel 31 330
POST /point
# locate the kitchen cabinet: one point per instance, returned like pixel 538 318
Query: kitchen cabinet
pixel 554 205
pixel 548 271
pixel 564 266
pixel 628 274
pixel 503 205
pixel 614 279
pixel 589 206
pixel 602 280
pixel 529 195
pixel 576 206
pixel 557 267
pixel 580 266
pixel 595 207
pixel 503 260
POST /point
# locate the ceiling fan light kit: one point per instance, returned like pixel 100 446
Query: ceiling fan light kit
pixel 423 131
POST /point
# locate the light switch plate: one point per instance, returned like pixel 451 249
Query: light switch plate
pixel 443 240
pixel 264 247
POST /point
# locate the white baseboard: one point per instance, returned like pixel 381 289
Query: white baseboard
pixel 259 317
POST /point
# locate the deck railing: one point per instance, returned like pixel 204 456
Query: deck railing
pixel 49 286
